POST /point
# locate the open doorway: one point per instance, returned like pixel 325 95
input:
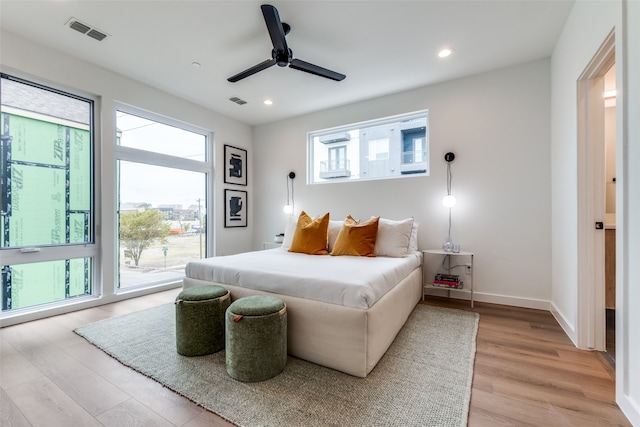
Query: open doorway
pixel 592 181
pixel 610 211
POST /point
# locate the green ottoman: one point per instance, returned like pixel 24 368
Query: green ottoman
pixel 256 338
pixel 200 319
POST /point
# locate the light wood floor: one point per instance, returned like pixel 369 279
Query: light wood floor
pixel 527 372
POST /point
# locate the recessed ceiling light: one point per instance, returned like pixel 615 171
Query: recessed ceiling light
pixel 195 64
pixel 268 102
pixel 445 52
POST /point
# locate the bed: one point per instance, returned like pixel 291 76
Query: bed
pixel 344 311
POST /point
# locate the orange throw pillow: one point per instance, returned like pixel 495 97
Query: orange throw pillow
pixel 357 239
pixel 310 236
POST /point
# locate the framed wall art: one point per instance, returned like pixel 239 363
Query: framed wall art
pixel 235 165
pixel 235 208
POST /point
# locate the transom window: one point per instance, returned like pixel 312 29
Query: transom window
pixel 390 147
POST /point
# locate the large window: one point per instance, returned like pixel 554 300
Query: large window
pixel 163 172
pixel 47 207
pixel 391 147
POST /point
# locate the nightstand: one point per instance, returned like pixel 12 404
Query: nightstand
pixel 271 245
pixel 437 261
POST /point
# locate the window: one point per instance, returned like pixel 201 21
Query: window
pixel 392 147
pixel 163 175
pixel 337 165
pixel 378 149
pixel 47 207
pixel 413 147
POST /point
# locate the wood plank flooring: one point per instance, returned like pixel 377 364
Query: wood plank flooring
pixel 527 373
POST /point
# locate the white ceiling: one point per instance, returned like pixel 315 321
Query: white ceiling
pixel 382 46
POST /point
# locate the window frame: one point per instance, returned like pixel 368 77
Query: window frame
pixel 41 253
pixel 339 134
pixel 136 155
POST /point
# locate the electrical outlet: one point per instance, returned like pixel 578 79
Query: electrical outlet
pixel 468 268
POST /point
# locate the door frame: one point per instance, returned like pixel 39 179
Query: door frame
pixel 591 171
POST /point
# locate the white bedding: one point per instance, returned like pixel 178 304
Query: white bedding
pixel 345 280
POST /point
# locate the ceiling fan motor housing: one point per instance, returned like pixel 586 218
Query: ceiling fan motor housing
pixel 282 58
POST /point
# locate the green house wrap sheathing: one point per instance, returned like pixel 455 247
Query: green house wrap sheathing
pixel 47 203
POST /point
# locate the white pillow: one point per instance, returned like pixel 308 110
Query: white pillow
pixel 289 231
pixel 332 232
pixel 413 241
pixel 393 237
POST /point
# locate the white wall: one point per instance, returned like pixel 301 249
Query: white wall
pixel 497 124
pixel 628 269
pixel 28 60
pixel 586 29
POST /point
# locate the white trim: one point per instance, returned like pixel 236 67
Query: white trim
pixel 81 304
pixel 629 408
pixel 627 380
pixel 135 155
pixel 129 154
pixel 564 324
pixel 536 304
pixel 52 252
pixel 591 321
pixel 313 167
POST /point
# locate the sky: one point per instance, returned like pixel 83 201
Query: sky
pixel 155 184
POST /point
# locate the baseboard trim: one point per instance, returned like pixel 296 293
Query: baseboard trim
pixel 495 299
pixel 513 301
pixel 629 408
pixel 565 325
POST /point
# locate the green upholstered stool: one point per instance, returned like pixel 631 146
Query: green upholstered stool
pixel 256 338
pixel 200 319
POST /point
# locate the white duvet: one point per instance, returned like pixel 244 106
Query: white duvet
pixel 345 280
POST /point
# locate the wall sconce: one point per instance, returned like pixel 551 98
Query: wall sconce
pixel 288 208
pixel 449 201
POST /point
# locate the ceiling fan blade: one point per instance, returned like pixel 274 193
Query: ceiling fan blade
pixel 274 26
pixel 250 71
pixel 301 65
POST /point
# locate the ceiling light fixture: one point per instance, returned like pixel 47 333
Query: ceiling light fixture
pixel 445 52
pixel 268 102
pixel 195 64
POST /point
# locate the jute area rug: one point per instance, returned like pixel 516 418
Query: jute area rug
pixel 424 379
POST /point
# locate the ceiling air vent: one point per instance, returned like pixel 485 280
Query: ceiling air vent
pixel 237 100
pixel 85 29
pixel 79 26
pixel 95 34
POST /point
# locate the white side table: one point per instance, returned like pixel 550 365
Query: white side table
pixel 438 261
pixel 271 245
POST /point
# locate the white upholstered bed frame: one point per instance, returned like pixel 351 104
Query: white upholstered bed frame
pixel 351 340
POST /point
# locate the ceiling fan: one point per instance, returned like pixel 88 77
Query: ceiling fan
pixel 281 54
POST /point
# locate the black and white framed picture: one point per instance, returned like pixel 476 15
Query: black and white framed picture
pixel 235 208
pixel 235 165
